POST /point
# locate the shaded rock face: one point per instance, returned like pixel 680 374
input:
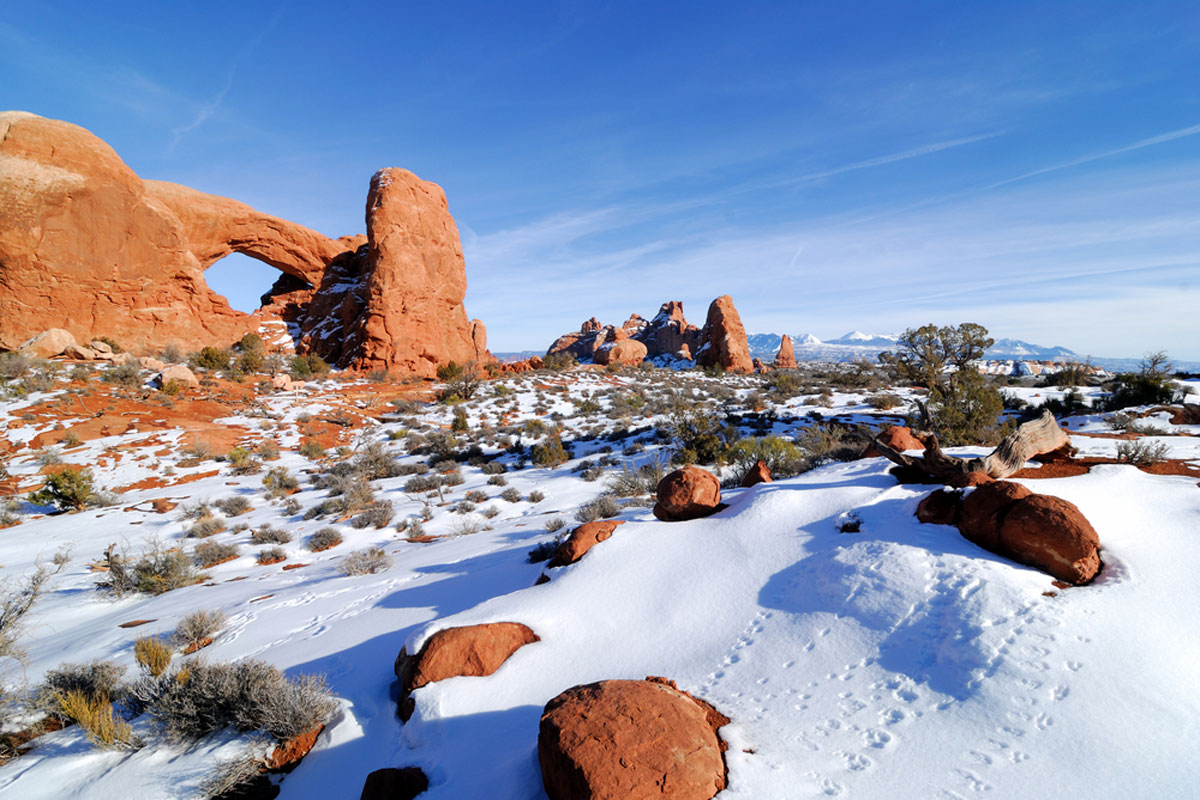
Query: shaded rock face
pixel 630 739
pixel 669 332
pixel 786 357
pixel 582 539
pixel 688 493
pixel 1044 532
pixel 393 783
pixel 90 247
pixel 723 339
pixel 472 650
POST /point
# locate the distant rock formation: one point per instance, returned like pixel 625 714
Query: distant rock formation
pixel 668 335
pixel 723 339
pixel 786 357
pixel 89 247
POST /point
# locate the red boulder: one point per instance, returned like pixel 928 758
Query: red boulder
pixel 759 473
pixel 582 539
pixel 472 650
pixel 630 739
pixel 688 493
pixel 1053 535
pixel 984 509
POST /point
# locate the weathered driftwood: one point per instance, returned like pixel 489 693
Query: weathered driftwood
pixel 1034 438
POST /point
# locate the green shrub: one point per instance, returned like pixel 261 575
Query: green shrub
pixel 307 366
pixel 549 453
pixel 212 358
pixel 72 488
pixel 783 458
pixel 242 461
pixel 127 376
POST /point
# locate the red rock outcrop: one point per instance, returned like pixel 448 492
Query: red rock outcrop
pixel 473 650
pixel 626 352
pixel 688 493
pixel 214 227
pixel 786 357
pixel 940 508
pixel 669 332
pixel 723 339
pixel 897 437
pixel 89 247
pixel 582 539
pixel 621 739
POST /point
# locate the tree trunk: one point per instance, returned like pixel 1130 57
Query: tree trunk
pixel 1036 437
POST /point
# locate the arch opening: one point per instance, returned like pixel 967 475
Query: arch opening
pixel 242 280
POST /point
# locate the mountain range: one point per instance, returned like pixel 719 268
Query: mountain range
pixel 857 344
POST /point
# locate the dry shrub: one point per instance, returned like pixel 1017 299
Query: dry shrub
pixel 197 628
pixel 246 695
pixel 365 562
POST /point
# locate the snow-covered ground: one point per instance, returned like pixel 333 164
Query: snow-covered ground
pixel 900 661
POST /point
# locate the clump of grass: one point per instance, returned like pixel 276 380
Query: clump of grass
pixel 377 516
pixel 245 695
pixel 603 507
pixel 554 524
pixel 152 654
pixel 536 497
pixel 365 562
pixel 205 527
pixel 279 482
pixel 99 722
pixel 511 494
pixel 324 539
pixel 96 680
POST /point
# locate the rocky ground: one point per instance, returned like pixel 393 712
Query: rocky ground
pixel 852 649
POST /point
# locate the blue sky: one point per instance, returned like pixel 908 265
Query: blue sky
pixel 1034 167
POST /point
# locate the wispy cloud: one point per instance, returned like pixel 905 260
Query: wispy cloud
pixel 1169 136
pixel 208 109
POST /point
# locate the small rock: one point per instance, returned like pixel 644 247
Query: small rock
pixel 759 473
pixel 897 437
pixel 178 373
